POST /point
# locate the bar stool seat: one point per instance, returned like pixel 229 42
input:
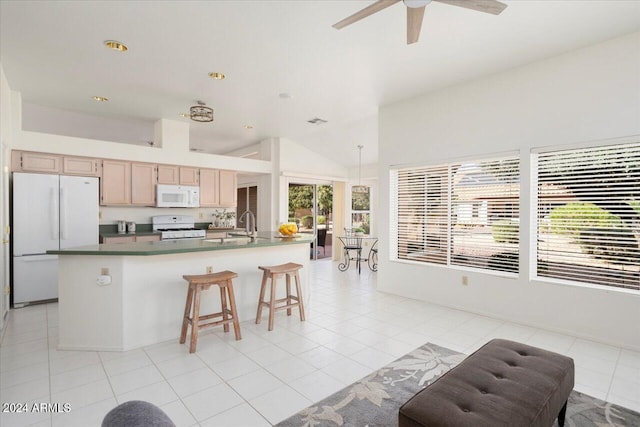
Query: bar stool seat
pixel 228 313
pixel 288 270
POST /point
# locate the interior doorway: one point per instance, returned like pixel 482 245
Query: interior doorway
pixel 247 201
pixel 311 208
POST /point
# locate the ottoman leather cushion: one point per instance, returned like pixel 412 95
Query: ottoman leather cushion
pixel 503 383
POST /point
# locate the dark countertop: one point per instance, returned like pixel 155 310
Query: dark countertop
pixel 265 239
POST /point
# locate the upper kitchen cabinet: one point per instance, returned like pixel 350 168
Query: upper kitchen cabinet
pixel 143 184
pixel 115 185
pixel 83 166
pixel 169 175
pixel 209 187
pixel 189 176
pixel 218 188
pixel 228 192
pixel 25 161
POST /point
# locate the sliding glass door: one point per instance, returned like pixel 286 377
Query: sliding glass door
pixel 311 208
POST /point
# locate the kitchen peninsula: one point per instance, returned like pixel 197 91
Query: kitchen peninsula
pixel 117 297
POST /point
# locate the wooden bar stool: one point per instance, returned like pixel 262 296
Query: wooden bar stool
pixel 273 272
pixel 228 314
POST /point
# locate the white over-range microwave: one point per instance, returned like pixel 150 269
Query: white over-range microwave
pixel 177 196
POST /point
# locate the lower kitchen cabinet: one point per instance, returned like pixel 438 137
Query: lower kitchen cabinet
pixel 149 238
pixel 131 239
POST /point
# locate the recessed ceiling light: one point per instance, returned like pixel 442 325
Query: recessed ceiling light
pixel 115 45
pixel 217 76
pixel 100 99
pixel 248 126
pixel 285 95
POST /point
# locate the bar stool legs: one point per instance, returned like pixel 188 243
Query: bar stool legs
pixel 272 274
pixel 228 313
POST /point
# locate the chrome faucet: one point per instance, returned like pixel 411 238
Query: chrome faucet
pixel 249 226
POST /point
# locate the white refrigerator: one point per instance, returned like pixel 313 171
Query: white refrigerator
pixel 49 212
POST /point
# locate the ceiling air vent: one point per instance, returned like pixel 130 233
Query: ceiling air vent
pixel 316 121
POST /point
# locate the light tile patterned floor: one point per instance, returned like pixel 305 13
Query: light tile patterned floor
pixel 350 331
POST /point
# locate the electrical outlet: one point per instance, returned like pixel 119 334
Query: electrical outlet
pixel 201 216
pixel 465 280
pixel 209 270
pixel 104 271
pixel 100 215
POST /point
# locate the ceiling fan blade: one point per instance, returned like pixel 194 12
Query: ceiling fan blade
pixel 414 23
pixel 369 10
pixel 489 6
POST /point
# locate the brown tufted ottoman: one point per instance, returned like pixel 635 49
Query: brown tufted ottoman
pixel 504 383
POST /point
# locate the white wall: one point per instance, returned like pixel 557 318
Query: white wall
pixel 5 160
pixel 586 95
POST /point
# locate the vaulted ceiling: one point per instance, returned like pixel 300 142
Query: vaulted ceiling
pixel 53 53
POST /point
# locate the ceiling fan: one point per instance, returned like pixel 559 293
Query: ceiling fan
pixel 415 12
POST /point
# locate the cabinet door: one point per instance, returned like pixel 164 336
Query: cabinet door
pixel 189 176
pixel 216 234
pixel 149 238
pixel 123 239
pixel 115 184
pixel 228 195
pixel 209 187
pixel 39 162
pixel 80 166
pixel 169 175
pixel 143 184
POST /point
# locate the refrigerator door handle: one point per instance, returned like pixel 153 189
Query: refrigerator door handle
pixel 54 213
pixel 63 214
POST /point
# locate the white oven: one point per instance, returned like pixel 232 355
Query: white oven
pixel 177 196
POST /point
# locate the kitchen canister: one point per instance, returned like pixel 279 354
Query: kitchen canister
pixel 122 227
pixel 131 227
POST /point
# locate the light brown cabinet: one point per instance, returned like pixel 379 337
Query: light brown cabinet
pixel 115 184
pixel 169 175
pixel 143 184
pixel 84 166
pixel 189 176
pixel 148 238
pixel 119 239
pixel 131 239
pixel 216 234
pixel 209 187
pixel 25 161
pixel 228 194
pixel 218 188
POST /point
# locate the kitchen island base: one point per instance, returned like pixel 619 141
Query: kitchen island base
pixel 144 302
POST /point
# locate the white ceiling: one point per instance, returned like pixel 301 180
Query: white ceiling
pixel 52 52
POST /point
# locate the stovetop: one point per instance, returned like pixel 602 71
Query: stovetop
pixel 177 227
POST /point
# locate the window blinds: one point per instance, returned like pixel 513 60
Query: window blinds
pixel 588 218
pixel 588 215
pixel 464 214
pixel 485 214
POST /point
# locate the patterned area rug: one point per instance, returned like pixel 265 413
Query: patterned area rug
pixel 375 399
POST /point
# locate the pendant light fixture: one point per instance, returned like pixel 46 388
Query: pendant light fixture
pixel 360 188
pixel 201 113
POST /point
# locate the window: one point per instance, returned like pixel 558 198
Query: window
pixel 360 208
pixel 464 214
pixel 588 215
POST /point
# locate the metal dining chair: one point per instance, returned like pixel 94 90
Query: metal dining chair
pixel 372 260
pixel 351 244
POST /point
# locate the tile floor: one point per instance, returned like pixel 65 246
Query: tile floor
pixel 267 376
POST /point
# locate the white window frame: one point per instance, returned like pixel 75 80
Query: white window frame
pixel 394 219
pixel 533 211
